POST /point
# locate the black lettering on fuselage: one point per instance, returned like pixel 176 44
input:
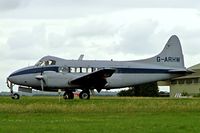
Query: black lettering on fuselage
pixel 158 59
pixel 168 59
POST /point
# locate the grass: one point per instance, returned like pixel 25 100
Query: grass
pixel 100 114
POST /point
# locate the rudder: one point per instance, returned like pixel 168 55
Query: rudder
pixel 171 55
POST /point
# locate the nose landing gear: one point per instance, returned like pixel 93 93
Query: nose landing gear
pixel 15 96
pixel 12 94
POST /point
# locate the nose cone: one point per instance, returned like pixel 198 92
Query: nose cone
pixel 9 78
pixel 13 77
pixel 18 76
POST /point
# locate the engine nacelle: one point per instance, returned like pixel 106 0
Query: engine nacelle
pixel 54 79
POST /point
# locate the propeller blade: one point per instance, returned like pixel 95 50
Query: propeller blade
pixel 42 84
pixel 92 92
pixel 40 77
pixel 42 80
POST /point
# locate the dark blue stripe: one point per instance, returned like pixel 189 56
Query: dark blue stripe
pixel 118 70
pixel 35 70
pixel 141 70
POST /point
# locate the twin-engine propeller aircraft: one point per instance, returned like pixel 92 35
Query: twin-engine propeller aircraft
pixel 52 73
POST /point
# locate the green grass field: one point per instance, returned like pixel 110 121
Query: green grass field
pixel 99 115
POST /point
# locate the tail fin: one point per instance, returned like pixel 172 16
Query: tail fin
pixel 171 55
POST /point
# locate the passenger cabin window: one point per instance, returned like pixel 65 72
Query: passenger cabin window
pixel 89 70
pixel 72 70
pixel 94 69
pixel 78 70
pixel 82 69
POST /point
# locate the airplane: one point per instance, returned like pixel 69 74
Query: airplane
pixel 52 73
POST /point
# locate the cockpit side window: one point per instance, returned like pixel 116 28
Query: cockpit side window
pixel 52 62
pixel 63 69
pixel 46 63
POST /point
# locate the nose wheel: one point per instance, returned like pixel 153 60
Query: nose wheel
pixel 15 96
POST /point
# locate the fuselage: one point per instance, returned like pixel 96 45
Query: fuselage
pixel 57 75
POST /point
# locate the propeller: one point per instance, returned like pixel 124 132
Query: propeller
pixel 42 80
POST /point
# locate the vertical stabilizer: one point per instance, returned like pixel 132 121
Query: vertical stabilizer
pixel 171 55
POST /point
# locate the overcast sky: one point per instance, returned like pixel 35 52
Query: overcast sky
pixel 99 29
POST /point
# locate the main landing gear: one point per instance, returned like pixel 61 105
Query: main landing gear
pixel 85 94
pixel 68 95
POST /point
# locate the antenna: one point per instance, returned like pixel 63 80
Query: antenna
pixel 81 57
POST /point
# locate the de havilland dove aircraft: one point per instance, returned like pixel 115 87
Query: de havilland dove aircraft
pixel 53 73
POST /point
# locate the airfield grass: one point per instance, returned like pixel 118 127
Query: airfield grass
pixel 99 115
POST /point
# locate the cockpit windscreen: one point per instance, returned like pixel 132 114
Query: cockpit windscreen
pixel 45 63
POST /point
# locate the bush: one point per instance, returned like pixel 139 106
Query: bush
pixel 148 89
pixel 129 92
pixel 184 94
pixel 197 95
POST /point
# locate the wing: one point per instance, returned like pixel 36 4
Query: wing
pixel 95 79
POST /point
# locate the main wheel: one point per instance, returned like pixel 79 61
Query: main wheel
pixel 68 95
pixel 84 95
pixel 15 96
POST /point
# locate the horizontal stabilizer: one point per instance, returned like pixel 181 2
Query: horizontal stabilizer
pixel 186 71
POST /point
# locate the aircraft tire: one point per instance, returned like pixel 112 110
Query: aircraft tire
pixel 68 95
pixel 71 95
pixel 15 96
pixel 84 95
